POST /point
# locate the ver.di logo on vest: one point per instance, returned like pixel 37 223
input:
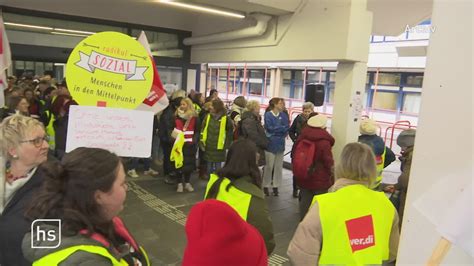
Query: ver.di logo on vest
pixel 361 233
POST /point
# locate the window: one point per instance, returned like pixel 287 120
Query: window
pixel 411 103
pixel 171 77
pixel 161 43
pixel 389 79
pixel 331 89
pixel 286 88
pixel 255 80
pixel 236 81
pixel 415 80
pixel 385 100
pixel 313 76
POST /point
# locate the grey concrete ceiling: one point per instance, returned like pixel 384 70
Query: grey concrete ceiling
pixel 390 16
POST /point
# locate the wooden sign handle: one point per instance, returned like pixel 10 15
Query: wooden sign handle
pixel 439 252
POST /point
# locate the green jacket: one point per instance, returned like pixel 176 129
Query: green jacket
pixel 211 153
pixel 258 214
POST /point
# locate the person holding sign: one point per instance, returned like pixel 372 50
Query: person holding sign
pixel 82 197
pixel 186 135
pixel 351 225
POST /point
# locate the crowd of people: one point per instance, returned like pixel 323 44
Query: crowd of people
pixel 44 99
pixel 237 150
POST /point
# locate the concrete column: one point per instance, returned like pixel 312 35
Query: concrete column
pixel 271 87
pixel 275 83
pixel 444 138
pixel 348 95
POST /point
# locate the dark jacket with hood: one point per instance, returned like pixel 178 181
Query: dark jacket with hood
pixel 167 121
pixel 251 128
pixel 296 126
pixel 378 145
pixel 321 176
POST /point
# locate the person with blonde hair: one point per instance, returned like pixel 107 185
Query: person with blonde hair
pixel 384 156
pixel 23 148
pixel 352 224
pixel 165 127
pixel 186 136
pixel 252 129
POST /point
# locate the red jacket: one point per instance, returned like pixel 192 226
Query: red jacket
pixel 321 178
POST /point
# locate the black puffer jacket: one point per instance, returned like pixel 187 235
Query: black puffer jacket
pixel 167 121
pixel 296 127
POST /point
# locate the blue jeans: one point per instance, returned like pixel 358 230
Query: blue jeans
pixel 212 167
pixel 134 163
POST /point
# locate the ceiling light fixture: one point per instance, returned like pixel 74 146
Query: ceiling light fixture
pixel 75 31
pixel 27 26
pixel 78 33
pixel 203 9
pixel 69 34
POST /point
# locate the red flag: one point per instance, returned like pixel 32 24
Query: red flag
pixel 156 99
pixel 5 60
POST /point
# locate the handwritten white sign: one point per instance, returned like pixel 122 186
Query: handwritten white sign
pixel 448 205
pixel 127 133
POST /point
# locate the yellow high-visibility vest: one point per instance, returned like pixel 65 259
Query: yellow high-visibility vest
pixel 380 166
pixel 57 257
pixel 197 108
pixel 237 199
pixel 347 211
pixel 222 132
pixel 50 131
pixel 177 155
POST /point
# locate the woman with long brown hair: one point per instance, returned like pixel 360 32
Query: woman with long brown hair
pixel 86 192
pixel 239 184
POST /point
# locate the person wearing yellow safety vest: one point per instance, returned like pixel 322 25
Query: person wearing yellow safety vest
pixel 238 184
pixel 384 156
pixel 185 135
pixel 216 136
pixel 198 101
pixel 352 224
pixel 85 192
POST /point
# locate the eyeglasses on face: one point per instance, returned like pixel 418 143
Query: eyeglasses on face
pixel 37 141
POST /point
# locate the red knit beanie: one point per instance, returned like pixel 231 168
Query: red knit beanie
pixel 218 236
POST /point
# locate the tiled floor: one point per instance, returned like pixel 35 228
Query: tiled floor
pixel 156 215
